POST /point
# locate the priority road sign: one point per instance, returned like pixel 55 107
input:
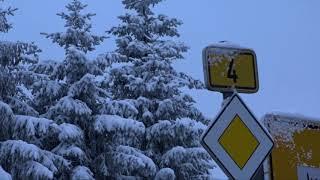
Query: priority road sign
pixel 296 155
pixel 227 68
pixel 237 141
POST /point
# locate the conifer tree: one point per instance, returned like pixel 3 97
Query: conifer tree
pixel 78 29
pixel 71 96
pixel 147 89
pixel 5 25
pixel 109 145
pixel 14 59
pixel 25 139
pixel 13 74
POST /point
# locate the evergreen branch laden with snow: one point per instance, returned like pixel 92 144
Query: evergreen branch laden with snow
pixel 78 29
pixel 5 26
pixel 28 161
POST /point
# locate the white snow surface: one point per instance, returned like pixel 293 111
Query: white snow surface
pixel 69 106
pixel 82 173
pixel 5 110
pixel 4 175
pixel 176 155
pixel 111 123
pixel 32 126
pixel 123 108
pixel 51 87
pixel 223 50
pixel 284 125
pixel 295 117
pixel 228 44
pixel 70 132
pixel 70 150
pixel 217 174
pixel 165 174
pixel 17 151
pixel 24 149
pixel 133 160
pixel 27 92
pixel 36 170
pixel 196 125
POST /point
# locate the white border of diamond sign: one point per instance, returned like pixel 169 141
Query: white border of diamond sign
pixel 210 139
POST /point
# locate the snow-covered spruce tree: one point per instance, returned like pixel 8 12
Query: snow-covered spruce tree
pixel 108 147
pixel 25 146
pixel 5 26
pixel 25 139
pixel 73 80
pixel 14 59
pixel 77 102
pixel 147 88
pixel 78 29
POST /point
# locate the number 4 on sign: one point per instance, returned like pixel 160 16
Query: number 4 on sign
pixel 232 72
pixel 227 73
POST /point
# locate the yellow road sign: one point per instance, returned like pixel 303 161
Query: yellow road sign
pixel 296 155
pixel 227 68
pixel 239 151
pixel 236 140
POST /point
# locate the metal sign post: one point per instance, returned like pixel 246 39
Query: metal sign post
pixel 236 140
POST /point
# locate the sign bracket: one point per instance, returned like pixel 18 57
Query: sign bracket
pixel 226 95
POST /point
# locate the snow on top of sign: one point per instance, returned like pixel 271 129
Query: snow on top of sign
pixel 283 125
pixel 305 155
pixel 227 44
pixel 222 50
pixel 296 117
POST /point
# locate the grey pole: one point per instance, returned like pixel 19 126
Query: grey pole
pixel 259 174
pixel 226 95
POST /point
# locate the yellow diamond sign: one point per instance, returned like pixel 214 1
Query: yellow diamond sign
pixel 236 140
pixel 239 151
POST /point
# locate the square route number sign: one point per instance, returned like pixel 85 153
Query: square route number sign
pixel 228 68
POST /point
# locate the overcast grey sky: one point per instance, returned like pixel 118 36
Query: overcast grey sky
pixel 284 34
